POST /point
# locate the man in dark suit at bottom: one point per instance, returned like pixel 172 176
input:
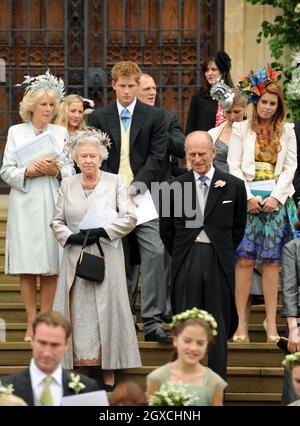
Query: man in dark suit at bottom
pixel 202 237
pixel 45 382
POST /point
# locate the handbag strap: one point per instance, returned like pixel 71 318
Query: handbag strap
pixel 97 242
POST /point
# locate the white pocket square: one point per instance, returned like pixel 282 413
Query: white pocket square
pixel 226 201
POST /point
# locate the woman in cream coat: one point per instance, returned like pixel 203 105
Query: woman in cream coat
pixel 103 332
pixel 31 249
pixel 264 149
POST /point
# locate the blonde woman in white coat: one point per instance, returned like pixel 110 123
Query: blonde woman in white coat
pixel 31 249
pixel 221 135
pixel 264 148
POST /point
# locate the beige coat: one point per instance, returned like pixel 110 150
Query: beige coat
pixel 216 131
pixel 241 158
pixel 119 347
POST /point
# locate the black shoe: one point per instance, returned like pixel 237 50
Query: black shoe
pixel 109 388
pixel 158 335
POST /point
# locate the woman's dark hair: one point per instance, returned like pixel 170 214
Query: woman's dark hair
pixel 191 321
pixel 223 62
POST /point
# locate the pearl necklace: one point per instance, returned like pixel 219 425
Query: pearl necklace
pixel 90 185
pixel 39 131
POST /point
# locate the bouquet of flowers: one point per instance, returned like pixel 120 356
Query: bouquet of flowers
pixel 171 395
pixel 6 389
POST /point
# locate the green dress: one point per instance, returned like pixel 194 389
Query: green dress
pixel 203 393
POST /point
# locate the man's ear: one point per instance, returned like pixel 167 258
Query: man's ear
pixel 113 84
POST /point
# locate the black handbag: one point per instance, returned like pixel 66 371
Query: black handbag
pixel 90 267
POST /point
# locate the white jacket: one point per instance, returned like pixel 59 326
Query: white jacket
pixel 241 158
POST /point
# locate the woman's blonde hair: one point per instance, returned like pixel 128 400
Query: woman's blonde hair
pixel 62 116
pixel 239 99
pixel 31 100
pixel 272 142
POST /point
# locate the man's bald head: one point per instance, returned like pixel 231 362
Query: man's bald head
pixel 200 151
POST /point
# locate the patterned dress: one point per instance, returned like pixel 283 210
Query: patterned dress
pixel 267 233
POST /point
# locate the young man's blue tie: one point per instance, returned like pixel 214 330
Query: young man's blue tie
pixel 125 117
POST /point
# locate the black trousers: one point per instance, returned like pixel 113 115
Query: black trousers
pixel 201 283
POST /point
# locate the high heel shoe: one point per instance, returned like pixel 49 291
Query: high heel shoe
pixel 270 338
pixel 28 336
pixel 242 338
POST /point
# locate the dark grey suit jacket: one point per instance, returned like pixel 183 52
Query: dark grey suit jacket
pixel 148 140
pixel 22 384
pixel 290 279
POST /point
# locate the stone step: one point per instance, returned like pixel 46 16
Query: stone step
pixel 12 312
pixel 8 279
pixel 239 355
pixel 10 293
pixel 240 379
pixel 2 239
pixel 252 399
pixel 3 219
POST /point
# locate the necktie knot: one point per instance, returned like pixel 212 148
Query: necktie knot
pixel 203 183
pixel 46 396
pixel 125 117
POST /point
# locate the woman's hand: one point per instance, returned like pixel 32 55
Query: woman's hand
pixel 253 205
pixel 294 339
pixel 46 167
pixel 33 171
pixel 269 204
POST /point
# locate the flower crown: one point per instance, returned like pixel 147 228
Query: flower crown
pixel 255 84
pixel 223 94
pixel 45 81
pixel 291 359
pixel 196 313
pixel 72 141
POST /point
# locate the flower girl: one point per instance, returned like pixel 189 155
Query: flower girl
pixel 292 362
pixel 192 331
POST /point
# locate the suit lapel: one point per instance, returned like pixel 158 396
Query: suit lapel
pixel 25 387
pixel 214 193
pixel 65 380
pixel 113 122
pixel 139 115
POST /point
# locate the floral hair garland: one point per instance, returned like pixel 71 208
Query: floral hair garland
pixel 72 141
pixel 45 81
pixel 290 359
pixel 196 313
pixel 255 84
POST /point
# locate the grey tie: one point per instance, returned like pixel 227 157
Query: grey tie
pixel 203 184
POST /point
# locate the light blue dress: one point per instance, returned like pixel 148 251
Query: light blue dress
pixel 203 394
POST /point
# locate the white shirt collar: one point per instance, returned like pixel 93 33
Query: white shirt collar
pixel 208 174
pixel 37 376
pixel 129 107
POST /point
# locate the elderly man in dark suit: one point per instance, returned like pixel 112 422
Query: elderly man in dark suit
pixel 203 218
pixel 45 382
pixel 138 150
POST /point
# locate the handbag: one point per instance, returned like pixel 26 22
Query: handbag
pixel 90 267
